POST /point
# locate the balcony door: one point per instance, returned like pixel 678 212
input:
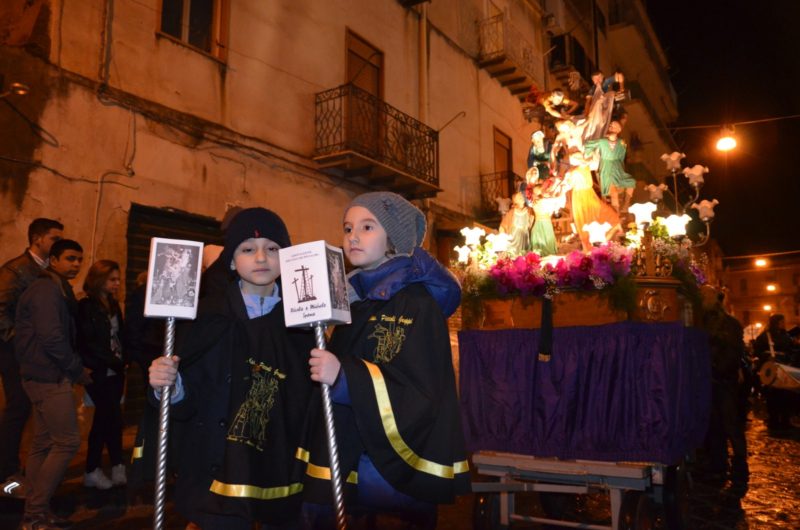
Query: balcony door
pixel 503 162
pixel 365 73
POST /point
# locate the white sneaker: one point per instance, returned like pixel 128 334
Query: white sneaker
pixel 96 479
pixel 118 477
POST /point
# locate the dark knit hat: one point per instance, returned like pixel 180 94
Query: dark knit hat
pixel 404 223
pixel 254 222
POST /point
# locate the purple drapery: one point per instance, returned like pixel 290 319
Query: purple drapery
pixel 629 391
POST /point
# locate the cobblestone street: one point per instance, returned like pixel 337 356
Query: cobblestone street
pixel 772 501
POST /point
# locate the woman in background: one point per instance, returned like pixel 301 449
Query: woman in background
pixel 100 345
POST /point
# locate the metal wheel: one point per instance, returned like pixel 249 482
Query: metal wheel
pixel 636 512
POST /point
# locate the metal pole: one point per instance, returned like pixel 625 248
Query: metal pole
pixel 333 451
pixel 163 426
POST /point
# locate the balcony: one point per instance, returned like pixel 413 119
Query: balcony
pixel 367 141
pixel 508 57
pixel 500 184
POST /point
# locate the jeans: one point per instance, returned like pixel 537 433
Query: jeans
pixel 107 423
pixel 56 439
pixel 16 413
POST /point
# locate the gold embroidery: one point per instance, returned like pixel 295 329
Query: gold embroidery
pixel 250 424
pixel 255 492
pixel 390 340
pixel 393 433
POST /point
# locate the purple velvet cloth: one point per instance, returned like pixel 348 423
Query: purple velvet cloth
pixel 629 391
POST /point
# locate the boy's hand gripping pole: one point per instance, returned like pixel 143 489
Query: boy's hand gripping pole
pixel 333 451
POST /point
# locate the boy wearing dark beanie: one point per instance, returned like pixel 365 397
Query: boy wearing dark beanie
pixel 393 385
pixel 242 389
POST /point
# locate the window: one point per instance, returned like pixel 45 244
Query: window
pixel 201 24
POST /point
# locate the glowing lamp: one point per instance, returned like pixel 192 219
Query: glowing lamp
pixel 759 325
pixel 499 242
pixel 771 288
pixel 727 140
pixel 767 307
pixel 463 253
pixel 761 262
pixel 472 236
pixel 597 232
pixel 676 225
pixel 705 209
pixel 643 212
pixel 673 160
pixel 15 89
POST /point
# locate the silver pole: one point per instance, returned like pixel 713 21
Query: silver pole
pixel 333 450
pixel 163 426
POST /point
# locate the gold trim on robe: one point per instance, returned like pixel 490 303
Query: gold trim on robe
pixel 255 492
pixel 320 472
pixel 397 442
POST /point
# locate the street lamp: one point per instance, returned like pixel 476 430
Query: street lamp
pixel 727 140
pixel 771 287
pixel 15 89
pixel 761 262
pixel 767 307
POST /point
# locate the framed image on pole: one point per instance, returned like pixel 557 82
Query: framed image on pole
pixel 173 278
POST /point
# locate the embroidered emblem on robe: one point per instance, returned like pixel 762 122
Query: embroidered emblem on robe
pixel 390 338
pixel 250 424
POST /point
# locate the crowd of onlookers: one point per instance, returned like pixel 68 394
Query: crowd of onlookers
pixel 49 341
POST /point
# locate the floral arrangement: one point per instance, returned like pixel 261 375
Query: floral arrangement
pixel 485 268
pixel 528 275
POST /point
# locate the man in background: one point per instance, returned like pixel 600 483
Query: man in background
pixel 49 365
pixel 15 276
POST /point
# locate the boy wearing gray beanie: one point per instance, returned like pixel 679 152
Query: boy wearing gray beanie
pixel 393 386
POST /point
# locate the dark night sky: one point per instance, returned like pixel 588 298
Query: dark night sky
pixel 733 62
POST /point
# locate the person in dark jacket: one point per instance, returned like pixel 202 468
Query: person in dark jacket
pixel 727 351
pixel 775 344
pixel 242 392
pixel 100 345
pixel 15 276
pixel 396 410
pixel 49 365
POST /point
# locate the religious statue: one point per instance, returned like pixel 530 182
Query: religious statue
pixel 539 154
pixel 517 224
pixel 613 178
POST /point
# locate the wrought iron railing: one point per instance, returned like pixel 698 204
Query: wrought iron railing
pixel 500 38
pixel 351 119
pixel 500 184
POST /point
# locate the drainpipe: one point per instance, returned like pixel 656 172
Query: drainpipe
pixel 105 42
pixel 423 63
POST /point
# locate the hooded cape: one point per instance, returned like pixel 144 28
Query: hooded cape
pixel 246 392
pixel 403 411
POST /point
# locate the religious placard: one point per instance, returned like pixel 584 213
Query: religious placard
pixel 173 278
pixel 314 284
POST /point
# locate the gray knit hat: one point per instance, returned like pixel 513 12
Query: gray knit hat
pixel 404 223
